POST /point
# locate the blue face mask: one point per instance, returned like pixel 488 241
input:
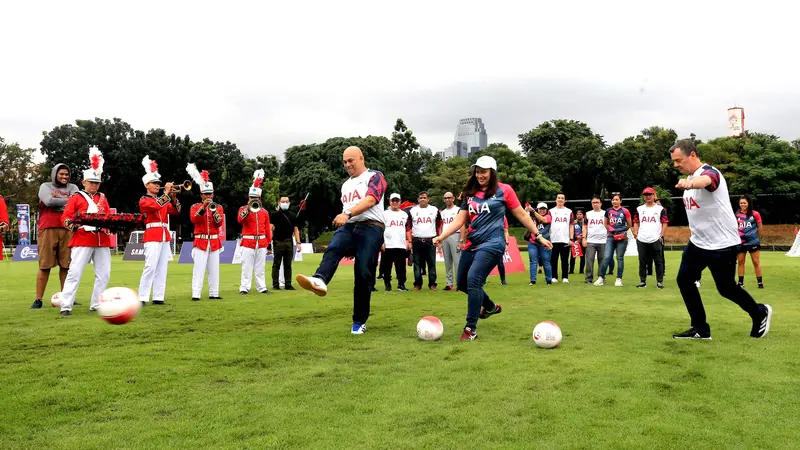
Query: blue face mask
pixel 284 206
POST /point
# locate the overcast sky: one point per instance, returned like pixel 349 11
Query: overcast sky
pixel 268 77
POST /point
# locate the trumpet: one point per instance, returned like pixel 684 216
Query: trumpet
pixel 187 186
pixel 254 204
pixel 212 207
pixel 3 227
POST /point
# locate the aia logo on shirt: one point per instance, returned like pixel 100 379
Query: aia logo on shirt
pixel 745 225
pixel 478 208
pixel 424 220
pixel 397 223
pixel 595 222
pixel 447 220
pixel 689 203
pixel 560 220
pixel 648 219
pixel 615 220
pixel 351 197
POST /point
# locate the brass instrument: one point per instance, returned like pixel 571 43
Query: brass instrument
pixel 212 207
pixel 254 204
pixel 3 227
pixel 187 186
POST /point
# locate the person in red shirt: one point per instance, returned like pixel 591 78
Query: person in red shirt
pixel 156 235
pixel 207 219
pixel 5 225
pixel 87 243
pixel 256 238
pixel 53 239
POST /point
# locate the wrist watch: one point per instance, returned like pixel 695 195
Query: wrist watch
pixel 347 211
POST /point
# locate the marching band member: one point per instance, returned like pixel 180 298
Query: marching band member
pixel 5 225
pixel 156 234
pixel 87 243
pixel 207 219
pixel 256 238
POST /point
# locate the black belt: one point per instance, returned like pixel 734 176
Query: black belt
pixel 419 239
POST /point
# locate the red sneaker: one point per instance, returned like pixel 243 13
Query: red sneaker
pixel 469 334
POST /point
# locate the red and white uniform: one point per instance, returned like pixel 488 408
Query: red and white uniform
pixel 256 237
pixel 207 245
pixel 3 220
pixel 156 244
pixel 86 244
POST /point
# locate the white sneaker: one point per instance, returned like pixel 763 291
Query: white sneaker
pixel 554 280
pixel 599 281
pixel 358 328
pixel 697 283
pixel 565 281
pixel 618 282
pixel 312 284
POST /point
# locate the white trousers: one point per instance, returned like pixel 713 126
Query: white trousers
pixel 102 271
pixel 205 261
pixel 253 259
pixel 154 275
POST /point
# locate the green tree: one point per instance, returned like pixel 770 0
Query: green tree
pixel 451 176
pixel 18 174
pixel 640 161
pixel 571 154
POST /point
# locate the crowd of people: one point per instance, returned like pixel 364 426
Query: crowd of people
pixel 472 235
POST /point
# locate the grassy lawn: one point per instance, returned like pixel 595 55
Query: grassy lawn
pixel 283 371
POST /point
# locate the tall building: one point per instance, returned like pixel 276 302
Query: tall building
pixel 472 133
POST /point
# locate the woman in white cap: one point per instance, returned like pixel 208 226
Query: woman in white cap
pixel 537 253
pixel 486 201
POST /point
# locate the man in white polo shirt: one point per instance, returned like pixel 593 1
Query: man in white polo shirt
pixel 714 243
pixel 649 225
pixel 359 233
pixel 424 224
pixel 395 247
pixel 451 247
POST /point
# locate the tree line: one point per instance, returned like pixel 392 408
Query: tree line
pixel 556 156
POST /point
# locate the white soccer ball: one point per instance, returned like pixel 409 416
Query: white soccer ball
pixel 547 334
pixel 430 328
pixel 119 305
pixel 55 300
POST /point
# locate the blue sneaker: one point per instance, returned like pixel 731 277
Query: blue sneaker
pixel 358 328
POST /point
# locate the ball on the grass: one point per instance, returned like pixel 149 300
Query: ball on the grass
pixel 430 328
pixel 55 300
pixel 547 334
pixel 119 305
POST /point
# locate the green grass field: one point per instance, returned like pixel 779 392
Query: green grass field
pixel 283 371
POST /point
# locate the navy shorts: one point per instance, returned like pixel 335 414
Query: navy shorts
pixel 744 248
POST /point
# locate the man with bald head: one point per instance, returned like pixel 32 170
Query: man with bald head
pixel 359 233
pixel 451 247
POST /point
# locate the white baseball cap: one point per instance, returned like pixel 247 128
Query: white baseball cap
pixel 394 196
pixel 541 205
pixel 486 162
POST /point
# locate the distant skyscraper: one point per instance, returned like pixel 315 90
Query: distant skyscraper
pixel 472 134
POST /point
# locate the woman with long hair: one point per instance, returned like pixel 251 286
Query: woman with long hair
pixel 486 201
pixel 538 255
pixel 617 222
pixel 750 231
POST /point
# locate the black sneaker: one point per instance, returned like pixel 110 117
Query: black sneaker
pixel 693 333
pixel 761 323
pixel 37 304
pixel 485 314
pixel 195 299
pixel 532 283
pixel 289 287
pixel 76 304
pixel 215 298
pixel 374 289
pixel 402 287
pixel 761 285
pixel 159 302
pixel 660 285
pixel 388 287
pixel 448 288
pixel 266 292
pixel 276 288
pixel 242 292
pixel 641 285
pixel 65 313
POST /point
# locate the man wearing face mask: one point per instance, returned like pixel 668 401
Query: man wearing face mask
pixel 284 227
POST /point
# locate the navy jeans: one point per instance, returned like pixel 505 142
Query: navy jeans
pixel 620 247
pixel 722 265
pixel 473 268
pixel 539 255
pixel 365 241
pixel 424 255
